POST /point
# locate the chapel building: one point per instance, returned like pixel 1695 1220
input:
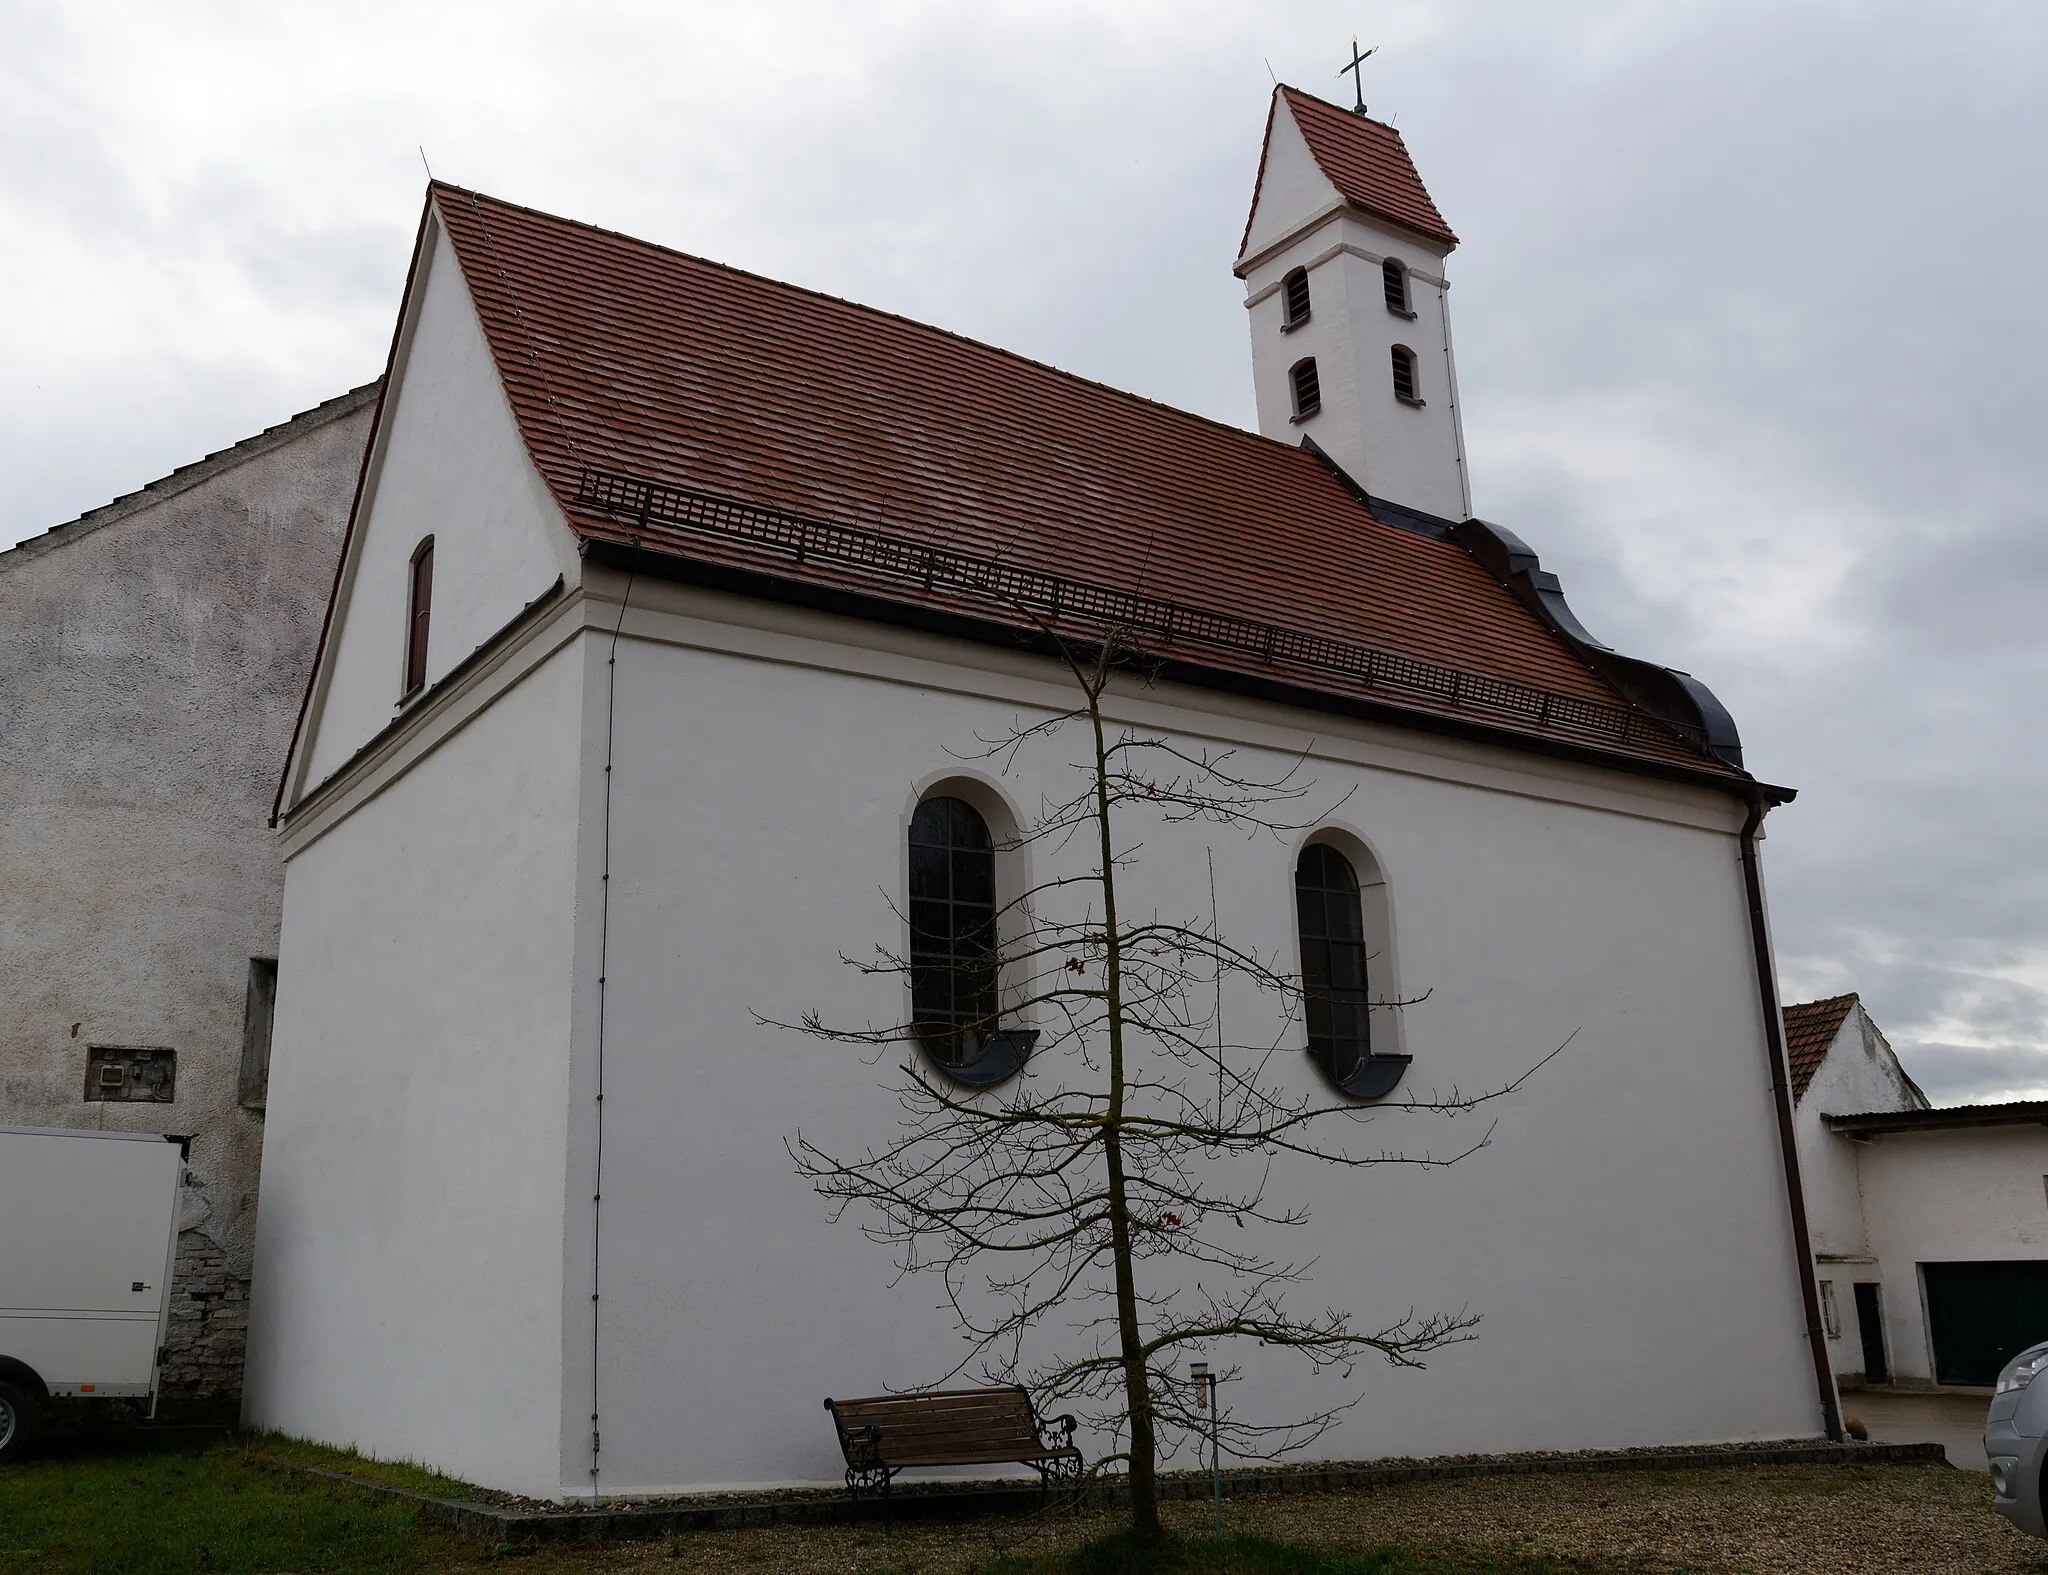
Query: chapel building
pixel 674 605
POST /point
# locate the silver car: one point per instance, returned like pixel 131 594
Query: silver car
pixel 2016 1439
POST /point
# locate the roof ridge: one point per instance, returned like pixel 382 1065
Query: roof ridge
pixel 1317 98
pixel 194 471
pixel 1227 428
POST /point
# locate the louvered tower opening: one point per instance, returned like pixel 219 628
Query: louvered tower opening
pixel 1404 375
pixel 1394 278
pixel 1308 390
pixel 1294 289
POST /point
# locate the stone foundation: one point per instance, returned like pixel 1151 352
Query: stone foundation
pixel 209 1333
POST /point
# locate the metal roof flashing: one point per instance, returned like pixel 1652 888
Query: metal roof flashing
pixel 1664 692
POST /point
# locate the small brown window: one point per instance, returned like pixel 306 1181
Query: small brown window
pixel 1395 278
pixel 1308 390
pixel 1294 290
pixel 1404 375
pixel 420 602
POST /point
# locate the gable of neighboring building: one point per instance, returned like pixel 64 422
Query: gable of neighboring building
pixel 1810 1028
pixel 1834 1044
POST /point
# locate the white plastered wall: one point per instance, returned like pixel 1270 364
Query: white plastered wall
pixel 1974 1194
pixel 1408 454
pixel 409 1248
pixel 1631 1204
pixel 1858 1074
pixel 447 462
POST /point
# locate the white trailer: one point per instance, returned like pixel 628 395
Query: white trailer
pixel 88 1235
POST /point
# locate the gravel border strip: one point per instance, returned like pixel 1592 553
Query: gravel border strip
pixel 640 1520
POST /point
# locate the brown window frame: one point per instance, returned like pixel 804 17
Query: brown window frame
pixel 419 616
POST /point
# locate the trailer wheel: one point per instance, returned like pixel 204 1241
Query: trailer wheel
pixel 17 1423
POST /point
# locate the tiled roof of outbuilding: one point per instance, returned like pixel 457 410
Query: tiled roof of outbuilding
pixel 1810 1027
pixel 625 359
pixel 1365 159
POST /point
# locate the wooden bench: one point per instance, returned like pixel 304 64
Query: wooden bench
pixel 884 1434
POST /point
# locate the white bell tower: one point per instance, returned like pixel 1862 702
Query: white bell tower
pixel 1343 265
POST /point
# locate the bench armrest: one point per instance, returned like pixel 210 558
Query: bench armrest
pixel 1057 1432
pixel 862 1446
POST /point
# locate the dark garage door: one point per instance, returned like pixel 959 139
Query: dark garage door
pixel 1982 1315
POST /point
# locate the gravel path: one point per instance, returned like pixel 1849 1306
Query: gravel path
pixel 1794 1520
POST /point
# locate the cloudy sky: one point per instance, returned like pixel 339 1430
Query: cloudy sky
pixel 1751 323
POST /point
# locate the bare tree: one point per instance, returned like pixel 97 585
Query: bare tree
pixel 1104 1188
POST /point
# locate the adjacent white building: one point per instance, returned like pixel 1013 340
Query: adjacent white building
pixel 153 656
pixel 662 614
pixel 1930 1226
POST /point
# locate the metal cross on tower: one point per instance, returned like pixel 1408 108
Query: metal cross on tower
pixel 1357 76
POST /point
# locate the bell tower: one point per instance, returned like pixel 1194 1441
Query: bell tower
pixel 1343 267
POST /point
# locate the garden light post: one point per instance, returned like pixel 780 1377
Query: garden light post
pixel 1200 1374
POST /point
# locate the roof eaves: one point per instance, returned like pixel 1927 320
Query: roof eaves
pixel 636 554
pixel 2017 1113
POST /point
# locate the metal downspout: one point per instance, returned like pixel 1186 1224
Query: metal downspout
pixel 1781 1097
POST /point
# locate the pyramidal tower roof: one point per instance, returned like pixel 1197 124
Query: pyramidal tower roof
pixel 1366 161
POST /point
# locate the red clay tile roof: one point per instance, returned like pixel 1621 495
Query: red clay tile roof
pixel 1810 1028
pixel 1364 159
pixel 622 357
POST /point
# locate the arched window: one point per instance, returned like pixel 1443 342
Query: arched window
pixel 1405 387
pixel 1394 276
pixel 419 610
pixel 1334 975
pixel 1294 292
pixel 954 945
pixel 1308 390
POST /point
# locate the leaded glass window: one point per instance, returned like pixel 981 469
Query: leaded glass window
pixel 952 930
pixel 1332 960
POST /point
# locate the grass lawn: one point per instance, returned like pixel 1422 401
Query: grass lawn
pixel 215 1503
pixel 205 1505
pixel 221 1504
